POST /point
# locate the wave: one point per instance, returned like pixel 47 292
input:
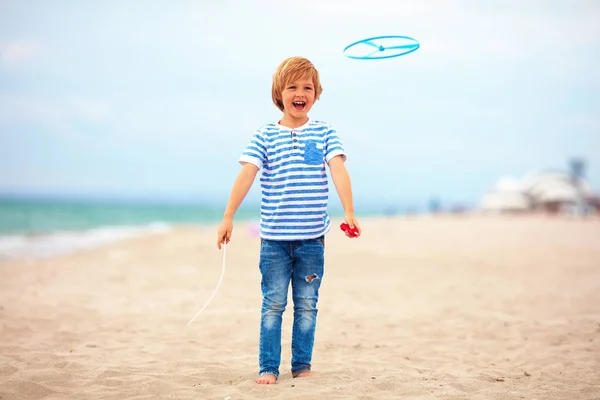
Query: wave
pixel 64 242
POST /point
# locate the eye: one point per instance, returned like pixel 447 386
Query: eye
pixel 291 87
pixel 308 88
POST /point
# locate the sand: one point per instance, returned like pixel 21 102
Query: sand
pixel 451 307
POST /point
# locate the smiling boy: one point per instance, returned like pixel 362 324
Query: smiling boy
pixel 293 154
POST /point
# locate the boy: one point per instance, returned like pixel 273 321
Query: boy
pixel 294 219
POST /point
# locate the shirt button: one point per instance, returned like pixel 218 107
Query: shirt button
pixel 295 147
pixel 294 133
pixel 295 140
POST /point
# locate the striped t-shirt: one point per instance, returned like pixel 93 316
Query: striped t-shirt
pixel 294 182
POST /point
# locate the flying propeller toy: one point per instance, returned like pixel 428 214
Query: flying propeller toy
pixel 380 47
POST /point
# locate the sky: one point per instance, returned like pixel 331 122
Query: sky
pixel 157 99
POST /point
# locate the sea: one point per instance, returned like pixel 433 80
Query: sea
pixel 34 227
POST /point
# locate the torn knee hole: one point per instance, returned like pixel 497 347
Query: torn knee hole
pixel 311 278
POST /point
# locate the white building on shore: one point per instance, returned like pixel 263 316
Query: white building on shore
pixel 546 191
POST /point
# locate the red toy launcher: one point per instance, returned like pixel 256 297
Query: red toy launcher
pixel 346 228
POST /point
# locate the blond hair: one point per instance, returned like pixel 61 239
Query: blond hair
pixel 289 70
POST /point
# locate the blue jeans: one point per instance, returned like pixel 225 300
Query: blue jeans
pixel 300 262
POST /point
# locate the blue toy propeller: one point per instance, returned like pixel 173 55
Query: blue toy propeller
pixel 387 47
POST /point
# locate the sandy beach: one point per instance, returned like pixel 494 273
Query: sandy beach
pixel 453 307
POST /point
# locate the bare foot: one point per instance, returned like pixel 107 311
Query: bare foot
pixel 304 374
pixel 267 379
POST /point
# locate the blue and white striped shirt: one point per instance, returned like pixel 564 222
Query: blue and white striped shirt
pixel 294 180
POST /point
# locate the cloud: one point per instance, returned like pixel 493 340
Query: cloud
pixel 90 110
pixel 13 53
pixel 22 109
pixel 59 115
pixel 588 122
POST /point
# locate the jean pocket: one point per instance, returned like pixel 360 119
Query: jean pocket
pixel 320 239
pixel 312 153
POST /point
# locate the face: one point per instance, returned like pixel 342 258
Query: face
pixel 298 97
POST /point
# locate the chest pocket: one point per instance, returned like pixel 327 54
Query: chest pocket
pixel 313 152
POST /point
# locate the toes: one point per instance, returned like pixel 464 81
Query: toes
pixel 265 381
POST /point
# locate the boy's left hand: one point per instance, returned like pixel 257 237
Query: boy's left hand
pixel 352 223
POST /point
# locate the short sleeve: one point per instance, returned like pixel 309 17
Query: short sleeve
pixel 255 152
pixel 333 146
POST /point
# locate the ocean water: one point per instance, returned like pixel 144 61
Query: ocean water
pixel 39 227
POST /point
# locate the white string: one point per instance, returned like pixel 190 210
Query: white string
pixel 219 284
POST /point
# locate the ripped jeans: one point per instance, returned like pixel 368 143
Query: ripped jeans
pixel 301 262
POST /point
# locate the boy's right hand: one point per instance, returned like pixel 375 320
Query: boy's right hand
pixel 350 226
pixel 224 232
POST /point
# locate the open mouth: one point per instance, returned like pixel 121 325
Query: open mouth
pixel 299 105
